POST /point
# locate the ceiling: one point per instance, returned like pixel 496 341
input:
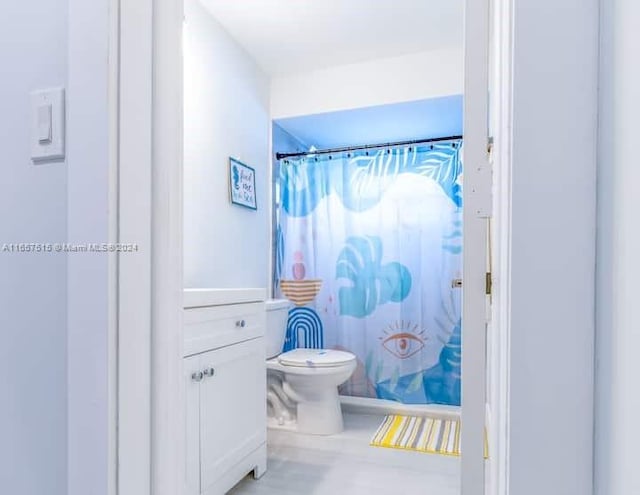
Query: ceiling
pixel 288 36
pixel 436 117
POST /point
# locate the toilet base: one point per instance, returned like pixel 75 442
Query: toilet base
pixel 318 417
pixel 322 415
pixel 305 399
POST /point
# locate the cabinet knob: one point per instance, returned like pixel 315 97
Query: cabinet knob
pixel 209 372
pixel 197 376
pixel 241 323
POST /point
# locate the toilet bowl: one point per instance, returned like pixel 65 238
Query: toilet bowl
pixel 310 378
pixel 303 383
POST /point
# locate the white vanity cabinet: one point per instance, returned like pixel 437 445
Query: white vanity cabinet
pixel 225 378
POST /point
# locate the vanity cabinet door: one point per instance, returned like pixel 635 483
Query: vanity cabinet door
pixel 193 376
pixel 232 407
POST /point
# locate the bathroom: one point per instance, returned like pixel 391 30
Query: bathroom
pixel 347 286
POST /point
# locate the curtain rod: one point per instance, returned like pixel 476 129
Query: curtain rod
pixel 281 156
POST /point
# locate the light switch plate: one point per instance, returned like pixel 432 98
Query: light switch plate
pixel 47 103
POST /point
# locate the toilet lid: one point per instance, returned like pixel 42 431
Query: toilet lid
pixel 315 358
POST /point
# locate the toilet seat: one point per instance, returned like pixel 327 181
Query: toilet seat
pixel 315 358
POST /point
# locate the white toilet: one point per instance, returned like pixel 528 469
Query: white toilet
pixel 303 384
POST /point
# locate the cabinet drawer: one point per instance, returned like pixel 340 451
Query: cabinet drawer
pixel 218 326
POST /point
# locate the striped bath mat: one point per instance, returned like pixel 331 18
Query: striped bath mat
pixel 422 434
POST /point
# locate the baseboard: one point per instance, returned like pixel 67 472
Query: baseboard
pixel 363 405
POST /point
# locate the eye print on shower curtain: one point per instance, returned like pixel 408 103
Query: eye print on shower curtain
pixel 367 246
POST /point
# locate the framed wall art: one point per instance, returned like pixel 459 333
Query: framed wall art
pixel 242 184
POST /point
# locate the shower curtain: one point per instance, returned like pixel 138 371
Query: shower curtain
pixel 367 244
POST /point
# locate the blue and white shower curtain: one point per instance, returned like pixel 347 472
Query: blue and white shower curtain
pixel 367 246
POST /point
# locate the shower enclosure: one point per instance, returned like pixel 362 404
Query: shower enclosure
pixel 368 242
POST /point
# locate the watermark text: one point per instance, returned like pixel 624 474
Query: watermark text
pixel 66 247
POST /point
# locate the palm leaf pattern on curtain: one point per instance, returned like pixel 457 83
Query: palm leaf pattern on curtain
pixel 372 175
pixel 366 177
pixel 371 283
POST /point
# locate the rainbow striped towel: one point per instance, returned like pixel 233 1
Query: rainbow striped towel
pixel 422 434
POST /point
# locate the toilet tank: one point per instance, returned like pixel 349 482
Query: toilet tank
pixel 277 316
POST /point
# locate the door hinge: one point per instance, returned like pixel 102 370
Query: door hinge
pixel 488 284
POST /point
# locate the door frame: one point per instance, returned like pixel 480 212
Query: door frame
pixel 498 336
pixel 134 208
pixel 477 200
pixel 147 418
pixel 149 189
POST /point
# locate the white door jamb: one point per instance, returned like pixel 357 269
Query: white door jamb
pixel 477 209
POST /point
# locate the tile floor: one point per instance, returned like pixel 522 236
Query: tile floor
pixel 345 464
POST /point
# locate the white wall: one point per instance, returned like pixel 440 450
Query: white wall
pixel 33 208
pixel 389 80
pixel 553 247
pixel 618 322
pixel 284 142
pixel 88 221
pixel 226 114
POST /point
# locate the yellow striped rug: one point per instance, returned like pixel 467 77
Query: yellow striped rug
pixel 422 434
